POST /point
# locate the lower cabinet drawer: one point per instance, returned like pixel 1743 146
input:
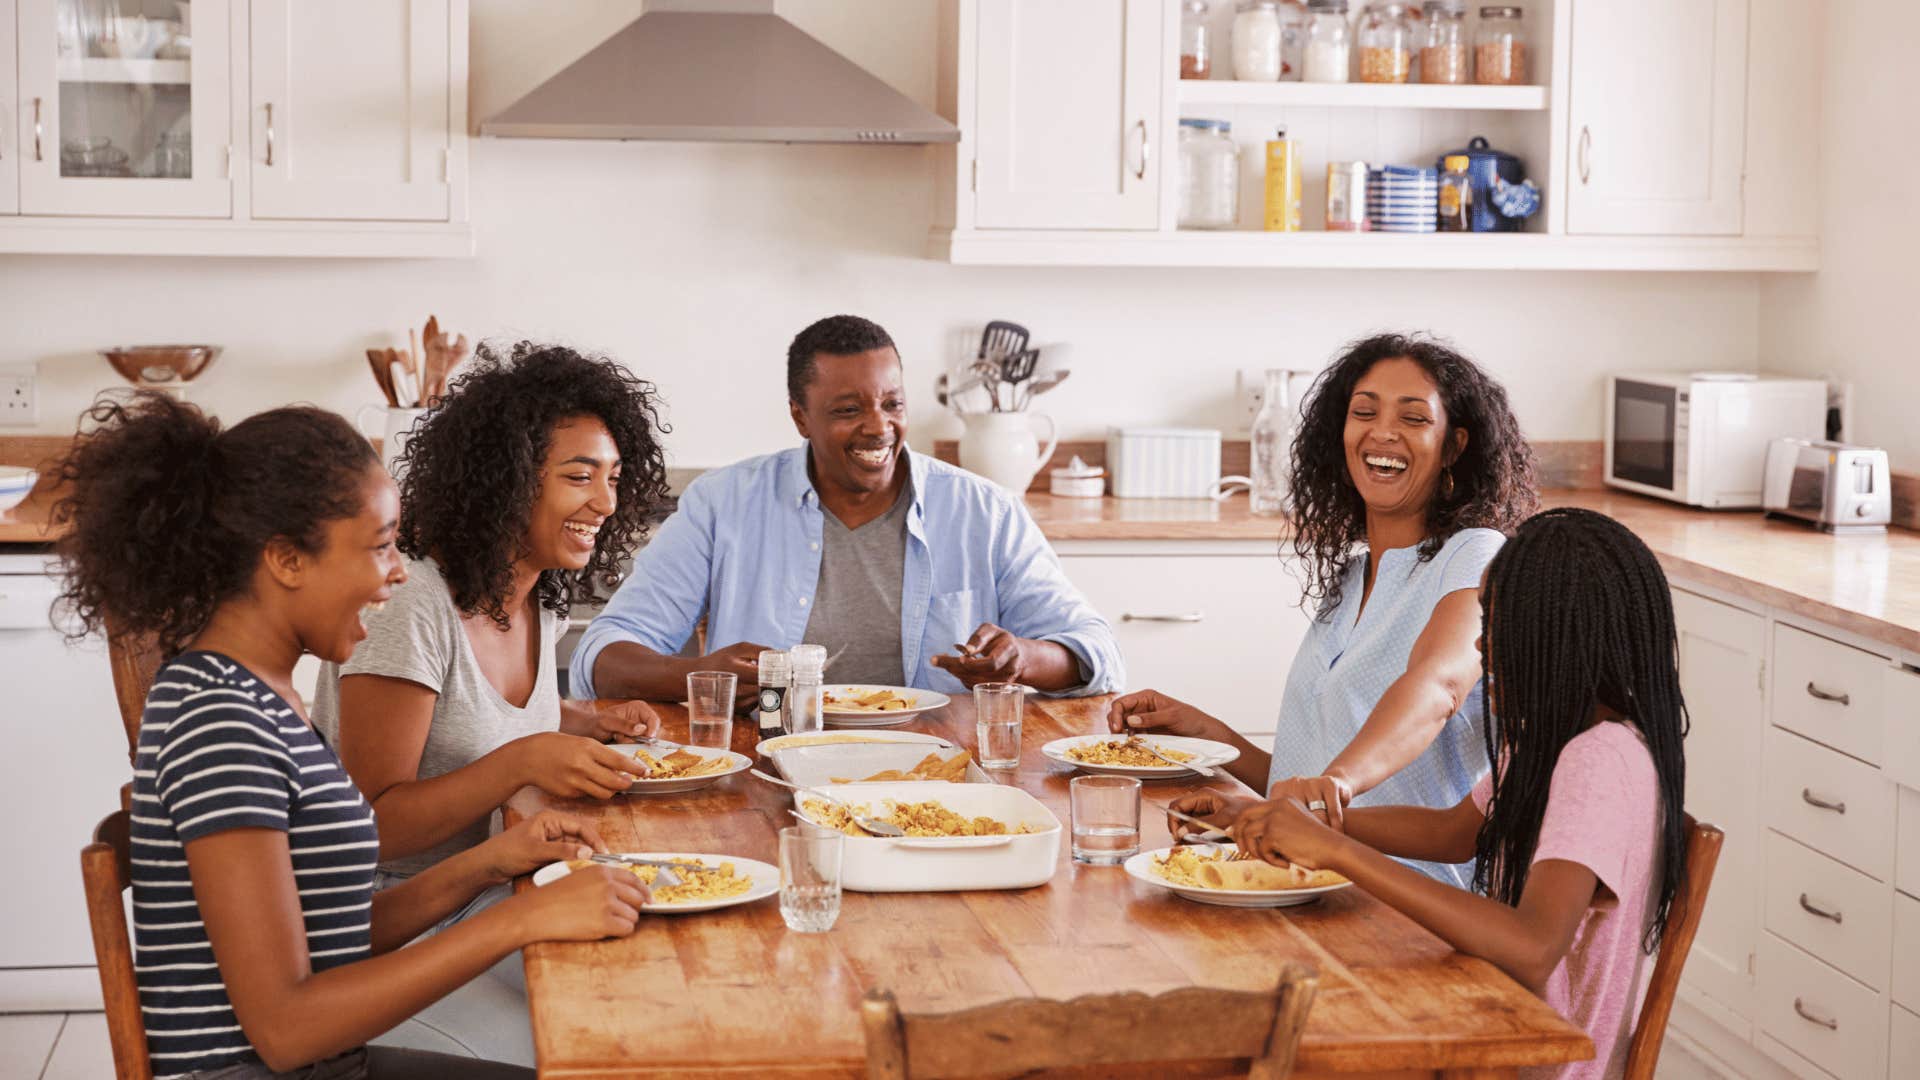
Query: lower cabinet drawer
pixel 1821 1014
pixel 1906 953
pixel 1903 1044
pixel 1829 692
pixel 1839 915
pixel 1829 802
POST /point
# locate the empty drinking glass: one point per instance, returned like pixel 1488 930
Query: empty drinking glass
pixel 1106 818
pixel 997 708
pixel 810 877
pixel 710 708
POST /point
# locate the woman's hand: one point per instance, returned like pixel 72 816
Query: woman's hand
pixel 1212 806
pixel 1150 710
pixel 573 766
pixel 1326 796
pixel 609 721
pixel 1282 831
pixel 546 837
pixel 589 904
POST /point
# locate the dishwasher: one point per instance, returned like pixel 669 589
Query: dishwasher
pixel 63 757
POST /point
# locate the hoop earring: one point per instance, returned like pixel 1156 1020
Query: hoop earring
pixel 1446 483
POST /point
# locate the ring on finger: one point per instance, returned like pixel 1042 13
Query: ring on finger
pixel 1317 804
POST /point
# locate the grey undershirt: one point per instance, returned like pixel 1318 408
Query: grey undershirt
pixel 857 601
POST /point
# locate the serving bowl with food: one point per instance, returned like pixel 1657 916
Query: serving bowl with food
pixel 871 763
pixel 959 836
pixel 673 769
pixel 723 881
pixel 1129 755
pixel 868 705
pixel 768 747
pixel 1206 873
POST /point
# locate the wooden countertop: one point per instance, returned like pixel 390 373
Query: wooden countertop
pixel 733 991
pixel 1061 518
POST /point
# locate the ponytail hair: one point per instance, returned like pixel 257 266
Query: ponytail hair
pixel 167 515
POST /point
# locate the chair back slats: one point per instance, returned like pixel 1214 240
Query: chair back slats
pixel 1683 920
pixel 106 870
pixel 134 660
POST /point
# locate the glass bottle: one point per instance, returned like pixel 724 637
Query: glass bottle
pixel 1209 174
pixel 773 693
pixel 1256 40
pixel 1272 439
pixel 1329 42
pixel 1500 48
pixel 1196 52
pixel 806 703
pixel 1386 43
pixel 1456 196
pixel 1443 55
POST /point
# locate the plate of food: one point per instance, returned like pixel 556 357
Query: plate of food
pixel 866 705
pixel 682 768
pixel 1127 755
pixel 1203 873
pixel 767 747
pixel 726 881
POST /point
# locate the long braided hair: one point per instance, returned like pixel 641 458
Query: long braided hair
pixel 1576 613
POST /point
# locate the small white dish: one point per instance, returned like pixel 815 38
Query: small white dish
pixel 766 879
pixel 845 716
pixel 16 483
pixel 1140 867
pixel 1207 752
pixel 736 763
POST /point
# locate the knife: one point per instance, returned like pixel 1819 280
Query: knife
pixel 1213 833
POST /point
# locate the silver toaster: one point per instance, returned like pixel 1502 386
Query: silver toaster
pixel 1838 487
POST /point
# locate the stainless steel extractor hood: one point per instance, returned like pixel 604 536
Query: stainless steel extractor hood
pixel 717 71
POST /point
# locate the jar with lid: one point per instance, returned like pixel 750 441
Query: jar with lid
pixel 1386 42
pixel 1443 51
pixel 1196 48
pixel 1500 48
pixel 1257 36
pixel 1456 195
pixel 1209 174
pixel 1329 42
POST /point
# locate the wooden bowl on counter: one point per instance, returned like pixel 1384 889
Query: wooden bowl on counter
pixel 160 365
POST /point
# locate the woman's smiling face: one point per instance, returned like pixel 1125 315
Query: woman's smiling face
pixel 1398 439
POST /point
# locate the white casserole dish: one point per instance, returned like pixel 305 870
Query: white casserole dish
pixel 949 864
pixel 817 766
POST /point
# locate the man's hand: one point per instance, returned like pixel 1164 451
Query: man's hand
pixel 990 655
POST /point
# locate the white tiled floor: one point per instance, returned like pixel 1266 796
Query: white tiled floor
pixel 51 1046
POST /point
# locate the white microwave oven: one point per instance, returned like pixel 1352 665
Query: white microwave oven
pixel 1701 437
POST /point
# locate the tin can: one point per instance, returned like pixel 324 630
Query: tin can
pixel 1347 196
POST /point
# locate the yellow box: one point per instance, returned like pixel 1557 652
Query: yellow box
pixel 1283 185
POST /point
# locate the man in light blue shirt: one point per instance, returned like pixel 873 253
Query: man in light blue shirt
pixel 918 569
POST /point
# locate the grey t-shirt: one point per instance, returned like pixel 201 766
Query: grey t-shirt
pixel 857 603
pixel 418 637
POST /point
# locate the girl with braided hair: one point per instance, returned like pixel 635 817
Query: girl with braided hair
pixel 1579 829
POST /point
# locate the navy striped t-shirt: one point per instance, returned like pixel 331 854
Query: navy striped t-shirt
pixel 219 750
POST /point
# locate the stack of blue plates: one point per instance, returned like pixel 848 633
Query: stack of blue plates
pixel 1403 199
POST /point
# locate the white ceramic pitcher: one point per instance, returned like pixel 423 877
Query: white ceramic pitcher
pixel 1001 446
pixel 399 425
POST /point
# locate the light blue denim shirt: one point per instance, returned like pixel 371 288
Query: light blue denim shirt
pixel 1346 664
pixel 744 549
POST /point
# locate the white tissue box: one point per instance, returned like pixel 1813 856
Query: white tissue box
pixel 1163 463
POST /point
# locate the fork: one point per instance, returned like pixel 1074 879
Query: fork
pixel 871 824
pixel 1198 770
pixel 1212 835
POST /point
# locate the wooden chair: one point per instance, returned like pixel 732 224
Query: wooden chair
pixel 135 659
pixel 1022 1035
pixel 106 871
pixel 1703 851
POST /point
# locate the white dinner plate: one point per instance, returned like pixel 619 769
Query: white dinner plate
pixel 766 879
pixel 1141 867
pixel 735 763
pixel 766 747
pixel 841 716
pixel 1207 753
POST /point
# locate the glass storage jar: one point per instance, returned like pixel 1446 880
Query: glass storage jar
pixel 1329 42
pixel 1500 48
pixel 1209 174
pixel 1386 42
pixel 1443 51
pixel 1196 51
pixel 1257 33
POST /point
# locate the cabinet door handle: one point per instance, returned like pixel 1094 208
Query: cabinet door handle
pixel 269 134
pixel 1812 909
pixel 1189 617
pixel 36 131
pixel 1807 796
pixel 1822 695
pixel 1146 150
pixel 1586 150
pixel 1825 1022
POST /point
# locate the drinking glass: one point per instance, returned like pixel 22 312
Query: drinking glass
pixel 1106 818
pixel 810 877
pixel 997 708
pixel 710 708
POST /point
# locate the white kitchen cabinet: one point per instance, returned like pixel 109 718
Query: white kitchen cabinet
pixel 1068 115
pixel 1656 117
pixel 9 115
pixel 1214 623
pixel 349 110
pixel 1722 652
pixel 105 135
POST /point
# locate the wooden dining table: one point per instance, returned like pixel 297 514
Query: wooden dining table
pixel 734 991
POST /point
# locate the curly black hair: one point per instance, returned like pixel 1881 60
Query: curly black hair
pixel 167 515
pixel 835 335
pixel 470 473
pixel 1493 479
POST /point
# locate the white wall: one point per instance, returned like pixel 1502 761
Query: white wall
pixel 695 264
pixel 1854 319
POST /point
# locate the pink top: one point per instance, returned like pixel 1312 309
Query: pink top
pixel 1603 812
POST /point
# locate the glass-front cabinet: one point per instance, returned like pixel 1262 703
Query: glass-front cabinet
pixel 124 107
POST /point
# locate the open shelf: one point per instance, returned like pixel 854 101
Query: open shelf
pixel 95 69
pixel 1361 95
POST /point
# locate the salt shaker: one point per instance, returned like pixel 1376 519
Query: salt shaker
pixel 806 704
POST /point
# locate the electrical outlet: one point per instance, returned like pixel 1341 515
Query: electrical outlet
pixel 19 403
pixel 1249 393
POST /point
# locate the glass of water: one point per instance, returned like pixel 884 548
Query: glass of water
pixel 1106 818
pixel 997 708
pixel 810 877
pixel 710 708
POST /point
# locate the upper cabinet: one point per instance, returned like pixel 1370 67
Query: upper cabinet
pixel 234 127
pixel 1657 112
pixel 1068 115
